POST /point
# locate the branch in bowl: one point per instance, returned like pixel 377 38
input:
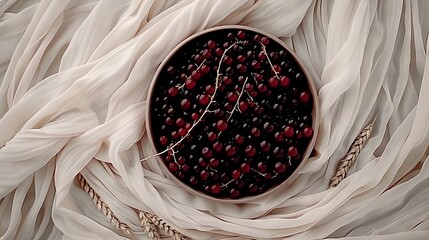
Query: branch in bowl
pixel 206 110
pixel 264 50
pixel 236 106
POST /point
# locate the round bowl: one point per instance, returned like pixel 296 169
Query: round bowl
pixel 150 106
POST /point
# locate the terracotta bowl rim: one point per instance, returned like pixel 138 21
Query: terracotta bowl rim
pixel 306 155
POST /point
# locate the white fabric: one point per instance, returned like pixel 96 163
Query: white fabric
pixel 74 76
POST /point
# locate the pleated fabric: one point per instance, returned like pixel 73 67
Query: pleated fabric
pixel 74 78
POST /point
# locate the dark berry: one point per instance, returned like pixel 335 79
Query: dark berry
pixel 292 151
pixel 222 125
pixel 172 91
pixel 308 132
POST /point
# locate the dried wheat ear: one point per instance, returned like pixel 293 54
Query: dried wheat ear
pixel 103 206
pixel 151 223
pixel 351 156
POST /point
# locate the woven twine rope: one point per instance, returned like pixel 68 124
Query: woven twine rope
pixel 152 224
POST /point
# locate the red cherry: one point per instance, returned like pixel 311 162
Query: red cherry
pixel 280 168
pixel 172 92
pixel 210 89
pixel 207 153
pixel 284 81
pixel 181 160
pixel 308 132
pixel 196 75
pixel 204 174
pixel 174 135
pixel 203 99
pixel 211 44
pixel 219 52
pixel 206 53
pixel 262 88
pixel 273 82
pixel 239 139
pixel 180 122
pixel 233 193
pixel 182 131
pixel 236 174
pixel 265 146
pixel 185 104
pixel 195 116
pixel 198 58
pixel 278 136
pixel 170 70
pixel 277 68
pixel 205 69
pixel 241 34
pixel 211 136
pixel 289 131
pixel 202 163
pixel 292 151
pixel 169 121
pixel 227 60
pixel 304 97
pixel 241 67
pixel 245 167
pixel 250 151
pixel 226 80
pixel 262 167
pixel 215 189
pixel 230 150
pixel 190 84
pixel 256 64
pixel 259 77
pixel 262 56
pixel 173 167
pixel 241 58
pixel 214 163
pixel 265 40
pixel 221 125
pixel 232 97
pixel 255 132
pixel 163 140
pixel 217 147
pixel 243 106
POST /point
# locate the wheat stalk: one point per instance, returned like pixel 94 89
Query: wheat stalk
pixel 161 224
pixel 351 156
pixel 148 226
pixel 102 206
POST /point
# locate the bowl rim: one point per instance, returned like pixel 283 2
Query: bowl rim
pixel 305 156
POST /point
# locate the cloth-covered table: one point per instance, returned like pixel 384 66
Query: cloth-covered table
pixel 74 78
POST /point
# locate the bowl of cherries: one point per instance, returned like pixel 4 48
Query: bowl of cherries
pixel 232 114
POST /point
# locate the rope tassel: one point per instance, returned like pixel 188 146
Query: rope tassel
pixel 351 156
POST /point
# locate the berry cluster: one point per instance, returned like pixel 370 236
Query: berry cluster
pixel 231 110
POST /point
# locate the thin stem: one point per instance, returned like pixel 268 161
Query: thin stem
pixel 203 114
pixel 180 86
pixel 269 61
pixel 238 100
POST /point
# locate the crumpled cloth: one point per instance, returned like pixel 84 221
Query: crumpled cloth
pixel 74 78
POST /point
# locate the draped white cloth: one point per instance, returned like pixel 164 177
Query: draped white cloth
pixel 74 77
